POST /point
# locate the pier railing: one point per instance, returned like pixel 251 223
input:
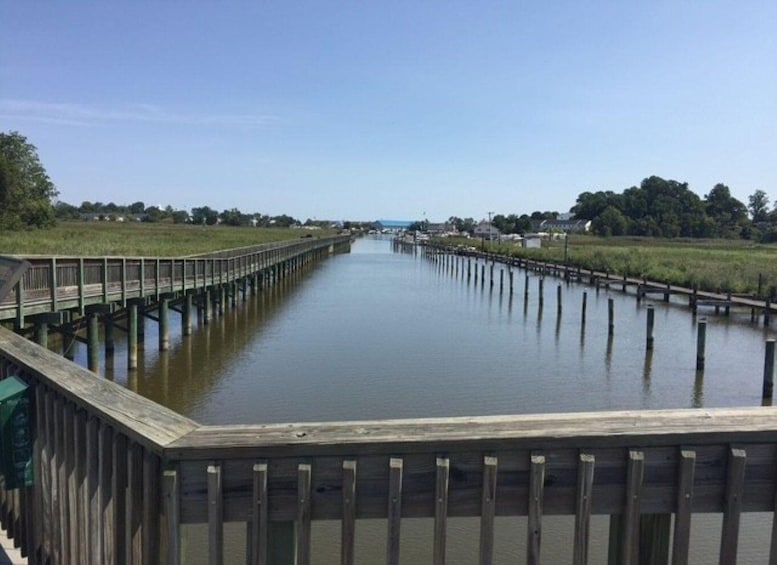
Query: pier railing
pixel 117 477
pixel 52 284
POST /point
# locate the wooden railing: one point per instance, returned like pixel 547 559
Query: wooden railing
pixel 117 476
pixel 51 284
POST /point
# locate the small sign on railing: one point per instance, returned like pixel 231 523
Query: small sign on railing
pixel 15 433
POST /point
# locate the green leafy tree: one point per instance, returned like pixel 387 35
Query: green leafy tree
pixel 26 192
pixel 758 204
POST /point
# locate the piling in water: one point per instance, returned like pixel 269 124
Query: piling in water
pixel 93 343
pixel 610 316
pixel 132 338
pixel 650 323
pixel 768 387
pixel 701 343
pixel 585 302
pixel 558 299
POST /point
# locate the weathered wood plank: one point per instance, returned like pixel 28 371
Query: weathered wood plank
pixel 304 471
pixel 143 420
pixel 394 510
pixel 631 513
pixel 537 431
pixel 95 523
pixel 729 539
pixel 215 516
pixel 488 510
pixel 135 505
pixel 107 497
pixel 441 510
pixel 259 522
pixel 119 488
pixel 684 501
pixel 348 528
pixel 583 509
pixel 535 511
pixel 172 504
pixel 152 490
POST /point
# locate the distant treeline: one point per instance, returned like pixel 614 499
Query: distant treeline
pixel 204 215
pixel 659 208
pixel 668 208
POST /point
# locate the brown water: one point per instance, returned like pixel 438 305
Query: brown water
pixel 380 334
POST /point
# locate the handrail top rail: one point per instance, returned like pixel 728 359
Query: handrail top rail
pixel 141 419
pixel 625 428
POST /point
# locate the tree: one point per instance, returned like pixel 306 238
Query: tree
pixel 728 214
pixel 758 204
pixel 204 215
pixel 26 191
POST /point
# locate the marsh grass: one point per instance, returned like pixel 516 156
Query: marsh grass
pixel 707 264
pixel 139 239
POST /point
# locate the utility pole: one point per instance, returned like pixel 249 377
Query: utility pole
pixel 490 232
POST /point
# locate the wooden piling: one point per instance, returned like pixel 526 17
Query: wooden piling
pixel 585 302
pixel 110 344
pixel 186 315
pixel 132 337
pixel 650 322
pixel 491 276
pixel 541 291
pixel 93 343
pixel 768 386
pixel 511 282
pixel 558 299
pixel 501 280
pixel 526 287
pixel 164 324
pixel 701 343
pixel 483 275
pixel 42 334
pixel 610 316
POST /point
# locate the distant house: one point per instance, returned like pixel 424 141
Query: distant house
pixel 486 230
pixel 568 225
pixel 441 229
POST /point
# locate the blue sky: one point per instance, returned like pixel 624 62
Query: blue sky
pixel 365 110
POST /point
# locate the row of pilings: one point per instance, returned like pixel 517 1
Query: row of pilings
pixel 481 268
pixel 98 327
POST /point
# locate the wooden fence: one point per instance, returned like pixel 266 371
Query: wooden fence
pixel 117 476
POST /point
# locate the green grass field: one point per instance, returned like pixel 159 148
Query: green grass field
pixel 140 239
pixel 707 264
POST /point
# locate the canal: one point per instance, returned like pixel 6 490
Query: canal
pixel 382 334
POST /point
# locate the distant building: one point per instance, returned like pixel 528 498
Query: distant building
pixel 566 225
pixel 486 230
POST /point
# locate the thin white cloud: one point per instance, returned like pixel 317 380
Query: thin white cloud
pixel 82 115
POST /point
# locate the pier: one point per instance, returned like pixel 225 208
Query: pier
pixel 117 478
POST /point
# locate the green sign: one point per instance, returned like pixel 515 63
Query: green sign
pixel 15 433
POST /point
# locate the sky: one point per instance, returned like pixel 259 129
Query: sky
pixel 390 110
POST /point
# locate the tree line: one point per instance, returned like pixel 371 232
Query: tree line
pixel 668 208
pixel 138 211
